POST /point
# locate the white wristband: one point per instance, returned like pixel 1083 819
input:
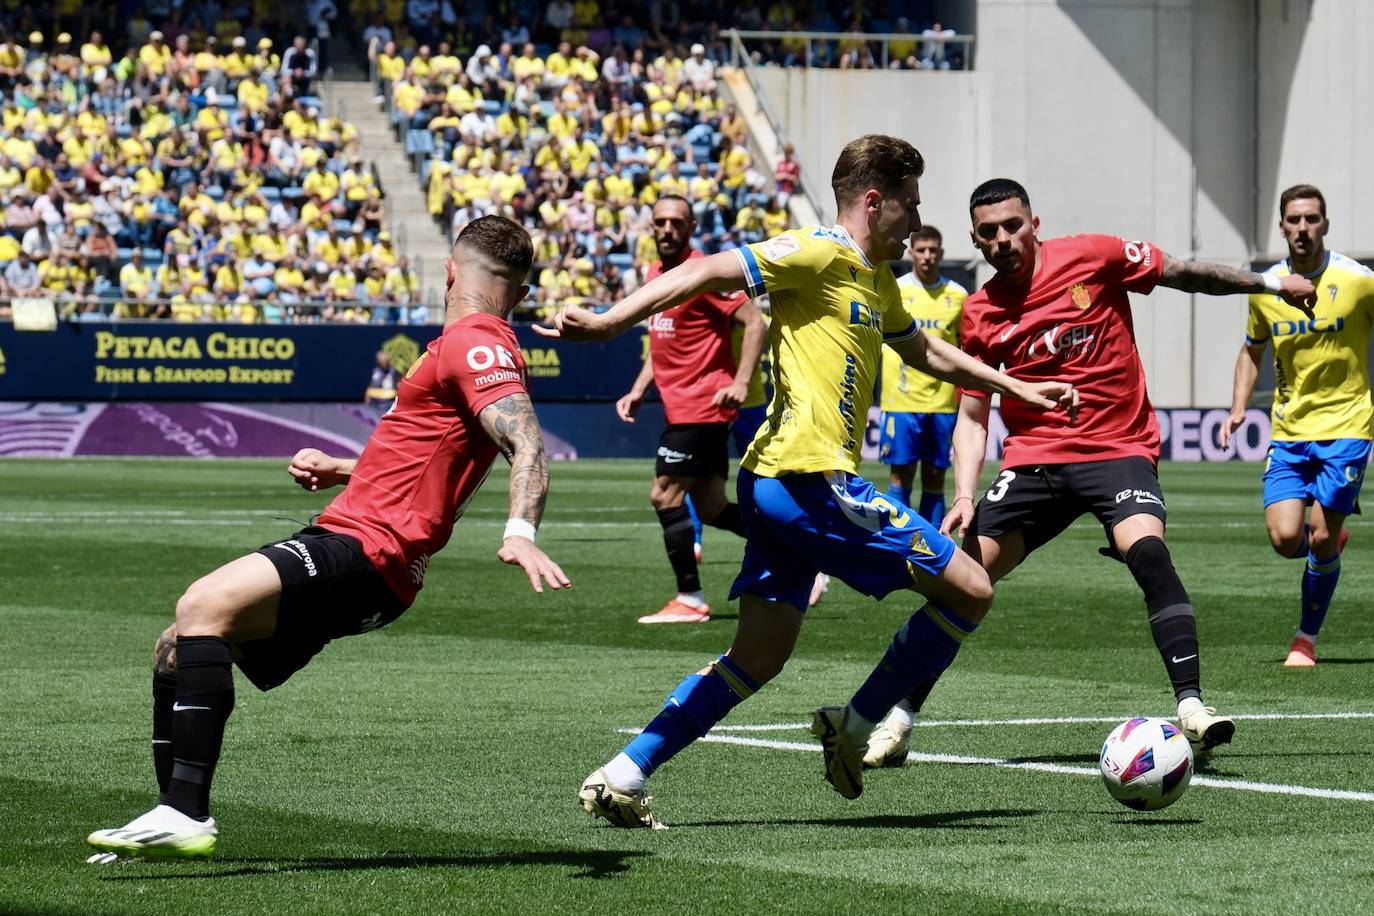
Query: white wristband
pixel 1271 283
pixel 519 528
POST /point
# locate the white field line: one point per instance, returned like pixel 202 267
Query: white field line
pixel 1244 785
pixel 1056 720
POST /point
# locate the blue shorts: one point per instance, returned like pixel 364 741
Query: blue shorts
pixel 747 423
pixel 1329 473
pixel 911 437
pixel 800 524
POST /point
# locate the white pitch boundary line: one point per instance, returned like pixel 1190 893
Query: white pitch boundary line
pixel 1056 720
pixel 1244 785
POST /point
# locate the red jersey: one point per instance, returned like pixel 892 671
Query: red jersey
pixel 429 454
pixel 1073 325
pixel 690 347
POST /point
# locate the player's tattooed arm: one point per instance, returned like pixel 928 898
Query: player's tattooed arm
pixel 1220 279
pixel 512 425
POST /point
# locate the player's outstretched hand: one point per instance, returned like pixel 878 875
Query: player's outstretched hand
pixel 958 517
pixel 314 470
pixel 1228 429
pixel 628 406
pixel 518 551
pixel 1299 292
pixel 731 395
pixel 576 323
pixel 1051 395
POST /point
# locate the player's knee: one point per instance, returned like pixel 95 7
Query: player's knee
pixel 1284 541
pixel 664 497
pixel 1321 541
pixel 762 663
pixel 200 612
pixel 974 599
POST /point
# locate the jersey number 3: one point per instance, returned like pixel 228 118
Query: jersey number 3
pixel 999 486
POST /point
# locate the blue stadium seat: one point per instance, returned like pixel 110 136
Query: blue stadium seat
pixel 296 194
pixel 215 191
pixel 152 257
pixel 123 254
pixel 493 107
pixel 270 192
pixel 620 260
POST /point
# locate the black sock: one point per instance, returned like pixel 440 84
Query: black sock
pixel 204 699
pixel 164 695
pixel 1173 623
pixel 917 698
pixel 678 538
pixel 728 520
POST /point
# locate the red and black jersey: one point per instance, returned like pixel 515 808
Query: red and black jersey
pixel 1072 324
pixel 429 454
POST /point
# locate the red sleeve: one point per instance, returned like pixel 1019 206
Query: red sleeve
pixel 973 342
pixel 1136 265
pixel 479 367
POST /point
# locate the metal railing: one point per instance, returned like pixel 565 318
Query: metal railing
pixel 742 62
pixel 883 39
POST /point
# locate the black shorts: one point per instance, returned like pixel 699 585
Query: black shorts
pixel 694 450
pixel 1041 501
pixel 328 589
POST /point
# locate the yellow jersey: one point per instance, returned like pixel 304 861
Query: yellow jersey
pixel 1321 365
pixel 832 311
pixel 936 310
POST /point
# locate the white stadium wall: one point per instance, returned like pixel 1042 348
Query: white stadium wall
pixel 1143 118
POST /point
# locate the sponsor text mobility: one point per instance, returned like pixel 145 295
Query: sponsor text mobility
pixel 217 346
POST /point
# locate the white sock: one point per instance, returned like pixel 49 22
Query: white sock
pixel 1185 705
pixel 624 773
pixel 695 599
pixel 902 715
pixel 856 727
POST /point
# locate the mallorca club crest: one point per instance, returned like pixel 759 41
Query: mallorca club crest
pixel 403 352
pixel 1080 296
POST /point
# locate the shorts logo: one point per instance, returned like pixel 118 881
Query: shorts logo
pixel 1353 476
pixel 296 547
pixel 671 457
pixel 418 568
pixel 371 623
pixel 1141 496
pixel 919 546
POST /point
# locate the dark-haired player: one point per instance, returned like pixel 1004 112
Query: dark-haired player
pixel 1059 309
pixel 806 510
pixel 702 386
pixel 462 403
pixel 1320 431
pixel 919 410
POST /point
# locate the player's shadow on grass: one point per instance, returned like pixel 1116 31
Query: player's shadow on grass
pixel 946 820
pixel 1337 661
pixel 597 864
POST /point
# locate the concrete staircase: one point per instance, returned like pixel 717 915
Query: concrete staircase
pixel 414 232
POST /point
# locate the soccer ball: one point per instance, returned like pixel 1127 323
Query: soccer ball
pixel 1146 763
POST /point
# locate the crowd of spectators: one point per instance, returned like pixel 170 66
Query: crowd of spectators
pixel 658 25
pixel 186 178
pixel 577 148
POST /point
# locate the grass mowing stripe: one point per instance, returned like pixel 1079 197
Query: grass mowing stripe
pixel 1244 785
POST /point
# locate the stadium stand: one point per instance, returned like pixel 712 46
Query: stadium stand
pixel 196 178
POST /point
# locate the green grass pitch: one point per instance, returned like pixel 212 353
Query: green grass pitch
pixel 432 766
